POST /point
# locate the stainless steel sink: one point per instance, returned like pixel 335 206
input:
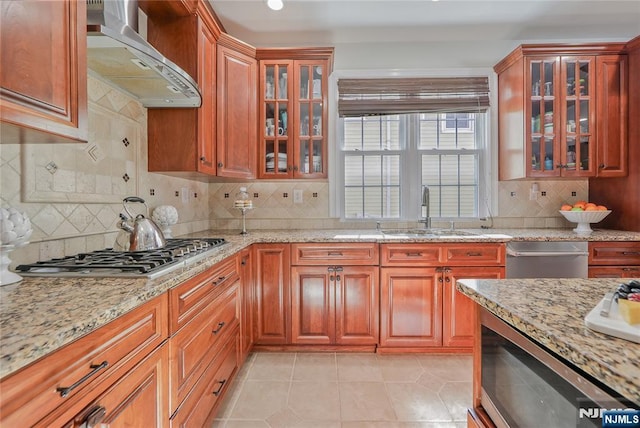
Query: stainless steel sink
pixel 427 233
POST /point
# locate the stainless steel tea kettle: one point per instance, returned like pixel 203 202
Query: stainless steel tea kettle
pixel 138 233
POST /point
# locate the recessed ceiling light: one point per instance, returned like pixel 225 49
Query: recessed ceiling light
pixel 275 4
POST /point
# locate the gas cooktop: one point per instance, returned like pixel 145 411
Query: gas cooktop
pixel 109 263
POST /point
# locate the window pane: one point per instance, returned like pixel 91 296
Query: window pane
pixel 391 202
pixel 372 170
pixel 373 202
pixel 352 138
pixel 391 170
pixel 452 181
pixel 353 170
pixel 353 202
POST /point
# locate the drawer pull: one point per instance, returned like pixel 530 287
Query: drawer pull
pixel 217 330
pixel 413 254
pixel 334 253
pixel 630 269
pixel 65 390
pixel 631 253
pixel 94 418
pixel 219 390
pixel 474 254
pixel 219 280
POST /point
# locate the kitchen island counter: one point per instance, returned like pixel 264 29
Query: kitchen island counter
pixel 551 312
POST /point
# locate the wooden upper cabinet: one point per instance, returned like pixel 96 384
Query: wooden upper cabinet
pixel 293 112
pixel 236 109
pixel 43 84
pixel 562 111
pixel 613 115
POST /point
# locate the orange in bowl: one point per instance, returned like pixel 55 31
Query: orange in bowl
pixel 580 204
pixel 602 208
pixel 566 207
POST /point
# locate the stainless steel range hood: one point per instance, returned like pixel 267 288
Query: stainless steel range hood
pixel 117 53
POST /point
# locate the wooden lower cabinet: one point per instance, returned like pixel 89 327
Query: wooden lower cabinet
pixel 272 303
pixel 246 297
pixel 334 305
pixel 410 307
pixel 138 399
pixel 420 309
pixel 200 406
pixel 614 259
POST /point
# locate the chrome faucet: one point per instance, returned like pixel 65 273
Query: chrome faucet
pixel 426 218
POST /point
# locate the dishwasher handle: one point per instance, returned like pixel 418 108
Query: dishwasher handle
pixel 514 253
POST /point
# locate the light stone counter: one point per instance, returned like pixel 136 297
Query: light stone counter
pixel 551 312
pixel 41 314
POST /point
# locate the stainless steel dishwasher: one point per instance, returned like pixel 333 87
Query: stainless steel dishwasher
pixel 558 259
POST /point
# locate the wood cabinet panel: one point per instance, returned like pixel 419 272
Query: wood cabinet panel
pixel 236 110
pixel 438 254
pixel 312 306
pixel 458 311
pixel 614 272
pixel 613 113
pixel 411 307
pixel 614 253
pixel 194 346
pixel 477 254
pixel 357 307
pixel 138 399
pixel 246 291
pixel 190 297
pixel 109 352
pixel 339 254
pixel 413 254
pixel 198 410
pixel 43 86
pixel 207 125
pixel 271 294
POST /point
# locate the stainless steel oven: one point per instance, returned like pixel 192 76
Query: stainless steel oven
pixel 526 385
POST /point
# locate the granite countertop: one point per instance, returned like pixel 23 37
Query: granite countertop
pixel 552 311
pixel 41 314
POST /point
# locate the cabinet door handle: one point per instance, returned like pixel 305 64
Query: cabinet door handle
pixel 447 279
pixel 338 278
pixel 95 368
pixel 334 253
pixel 219 280
pixel 94 418
pixel 220 164
pixel 631 253
pixel 440 278
pixel 295 167
pixel 219 390
pixel 331 277
pixel 474 254
pixel 602 166
pixel 289 168
pixel 243 262
pixel 217 330
pixel 203 159
pixel 413 254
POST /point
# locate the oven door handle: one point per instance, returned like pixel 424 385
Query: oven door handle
pixel 515 253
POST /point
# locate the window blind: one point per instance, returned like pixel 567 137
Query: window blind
pixel 373 97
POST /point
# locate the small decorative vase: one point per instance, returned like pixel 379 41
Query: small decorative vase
pixel 6 276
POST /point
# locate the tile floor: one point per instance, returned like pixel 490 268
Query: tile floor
pixel 327 390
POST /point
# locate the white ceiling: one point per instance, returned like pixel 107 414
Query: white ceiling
pixel 335 22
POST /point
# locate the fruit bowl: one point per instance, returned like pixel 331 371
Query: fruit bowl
pixel 584 218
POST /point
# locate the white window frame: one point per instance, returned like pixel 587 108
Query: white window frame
pixel 487 185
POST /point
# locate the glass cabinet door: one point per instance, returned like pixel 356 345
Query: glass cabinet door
pixel 276 124
pixel 578 141
pixel 543 135
pixel 311 134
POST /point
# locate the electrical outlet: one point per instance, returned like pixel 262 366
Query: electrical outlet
pixel 184 192
pixel 297 196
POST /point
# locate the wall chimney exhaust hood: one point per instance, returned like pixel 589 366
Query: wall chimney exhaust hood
pixel 117 53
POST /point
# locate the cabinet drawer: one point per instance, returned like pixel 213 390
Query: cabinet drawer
pixel 410 254
pixel 328 254
pixel 82 366
pixel 197 409
pixel 614 253
pixel 614 272
pixel 186 300
pixel 477 254
pixel 193 347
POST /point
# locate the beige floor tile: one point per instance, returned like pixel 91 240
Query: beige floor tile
pixel 358 368
pixel 272 366
pixel 260 399
pixel 365 401
pixel 402 425
pixel 244 424
pixel 400 368
pixel 289 419
pixel 314 366
pixel 450 368
pixel 230 398
pixel 413 403
pixel 315 400
pixel 457 397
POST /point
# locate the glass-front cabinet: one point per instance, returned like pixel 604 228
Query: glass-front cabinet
pixel 293 118
pixel 560 111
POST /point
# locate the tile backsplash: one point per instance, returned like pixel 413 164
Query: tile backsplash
pixel 72 192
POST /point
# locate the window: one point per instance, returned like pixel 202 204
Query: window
pixel 397 135
pixel 387 159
